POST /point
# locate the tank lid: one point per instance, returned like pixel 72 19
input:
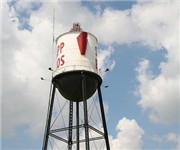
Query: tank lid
pixel 76 27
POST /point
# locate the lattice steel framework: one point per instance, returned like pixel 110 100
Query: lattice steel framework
pixel 70 141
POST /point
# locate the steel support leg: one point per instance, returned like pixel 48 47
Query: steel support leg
pixel 86 125
pixel 85 112
pixel 70 125
pixel 103 118
pixel 77 124
pixel 48 121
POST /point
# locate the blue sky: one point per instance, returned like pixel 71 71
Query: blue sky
pixel 138 41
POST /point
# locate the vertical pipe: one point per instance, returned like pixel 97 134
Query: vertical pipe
pixel 48 120
pixel 70 125
pixel 77 124
pixel 103 118
pixel 85 111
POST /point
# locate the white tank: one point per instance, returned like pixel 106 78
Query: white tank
pixel 72 56
pixel 76 55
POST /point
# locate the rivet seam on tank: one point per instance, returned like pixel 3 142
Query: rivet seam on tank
pixel 82 42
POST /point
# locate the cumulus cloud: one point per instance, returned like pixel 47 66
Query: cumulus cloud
pixel 159 95
pixel 129 135
pixel 104 60
pixel 170 137
pixel 156 24
pixel 115 26
pixel 24 62
pixel 175 138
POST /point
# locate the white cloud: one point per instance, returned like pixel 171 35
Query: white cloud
pixel 24 62
pixel 173 137
pixel 115 26
pixel 156 22
pixel 129 135
pixel 159 95
pixel 170 137
pixel 104 61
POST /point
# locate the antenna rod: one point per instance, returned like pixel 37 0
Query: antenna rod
pixel 53 39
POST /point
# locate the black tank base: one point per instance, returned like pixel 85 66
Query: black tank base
pixel 70 84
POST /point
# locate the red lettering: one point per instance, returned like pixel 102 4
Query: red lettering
pixel 60 61
pixel 59 48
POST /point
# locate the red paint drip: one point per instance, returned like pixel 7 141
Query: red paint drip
pixel 82 42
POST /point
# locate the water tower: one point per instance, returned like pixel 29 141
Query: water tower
pixel 77 80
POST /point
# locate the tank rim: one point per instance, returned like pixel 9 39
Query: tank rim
pixel 95 75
